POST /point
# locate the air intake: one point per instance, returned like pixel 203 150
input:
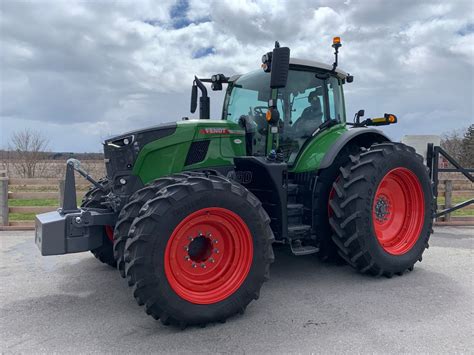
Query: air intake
pixel 197 152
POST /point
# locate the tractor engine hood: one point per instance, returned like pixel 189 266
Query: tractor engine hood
pixel 142 136
pixel 121 151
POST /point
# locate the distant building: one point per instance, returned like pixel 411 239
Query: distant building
pixel 420 143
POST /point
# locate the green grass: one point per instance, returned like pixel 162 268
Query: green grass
pixel 21 216
pixel 463 213
pixel 455 200
pixel 39 188
pixel 36 202
pixel 32 203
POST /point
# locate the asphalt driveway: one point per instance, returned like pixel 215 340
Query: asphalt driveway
pixel 73 303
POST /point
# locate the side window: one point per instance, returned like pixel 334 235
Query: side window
pixel 305 100
pixel 336 102
pixel 241 102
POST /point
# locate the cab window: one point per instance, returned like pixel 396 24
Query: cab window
pixel 307 101
pixel 336 100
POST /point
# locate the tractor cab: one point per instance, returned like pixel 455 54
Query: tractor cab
pixel 313 96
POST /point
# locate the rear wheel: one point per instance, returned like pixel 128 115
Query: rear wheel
pixel 324 191
pixel 383 210
pixel 199 252
pixel 93 199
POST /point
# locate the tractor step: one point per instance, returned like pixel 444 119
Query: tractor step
pixel 300 250
pixel 295 209
pixel 298 231
pixel 292 189
pixel 295 213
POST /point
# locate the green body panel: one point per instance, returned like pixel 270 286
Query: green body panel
pixel 167 155
pixel 313 152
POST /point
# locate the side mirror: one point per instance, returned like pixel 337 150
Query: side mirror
pixel 194 95
pixel 358 115
pixel 280 65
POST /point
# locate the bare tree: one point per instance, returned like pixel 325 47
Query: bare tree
pixel 29 147
pixel 467 148
pixel 452 143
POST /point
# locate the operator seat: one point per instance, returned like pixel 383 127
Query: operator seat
pixel 311 118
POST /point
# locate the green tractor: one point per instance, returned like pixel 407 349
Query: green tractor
pixel 189 210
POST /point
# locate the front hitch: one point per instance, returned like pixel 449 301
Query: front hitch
pixel 71 229
pixel 69 198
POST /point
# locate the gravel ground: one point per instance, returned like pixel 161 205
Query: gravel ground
pixel 74 304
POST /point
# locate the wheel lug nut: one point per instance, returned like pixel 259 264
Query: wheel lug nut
pixel 203 265
pixel 194 265
pixel 216 251
pixel 186 257
pixel 215 241
pixel 211 260
pixel 209 235
pixel 186 248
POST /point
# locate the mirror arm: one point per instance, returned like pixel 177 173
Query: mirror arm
pixel 201 86
pixel 204 102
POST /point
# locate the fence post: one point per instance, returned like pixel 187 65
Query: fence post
pixel 448 193
pixel 61 192
pixel 4 201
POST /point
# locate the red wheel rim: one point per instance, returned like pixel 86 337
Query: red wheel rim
pixel 398 211
pixel 332 193
pixel 109 231
pixel 208 255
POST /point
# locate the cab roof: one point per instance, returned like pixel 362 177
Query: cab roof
pixel 314 64
pixel 306 63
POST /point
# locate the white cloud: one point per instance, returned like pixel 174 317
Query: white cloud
pixel 83 70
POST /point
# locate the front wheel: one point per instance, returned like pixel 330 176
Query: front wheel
pixel 199 252
pixel 383 210
pixel 94 199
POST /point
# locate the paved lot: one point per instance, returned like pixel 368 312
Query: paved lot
pixel 74 304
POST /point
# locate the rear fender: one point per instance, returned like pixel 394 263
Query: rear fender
pixel 321 151
pixel 360 137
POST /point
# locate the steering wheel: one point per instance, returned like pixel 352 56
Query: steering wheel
pixel 258 110
pixel 259 118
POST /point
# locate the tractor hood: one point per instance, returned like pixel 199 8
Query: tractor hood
pixel 143 136
pixel 173 147
pixel 121 151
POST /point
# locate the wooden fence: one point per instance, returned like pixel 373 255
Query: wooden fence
pixel 37 191
pixel 30 196
pixel 452 190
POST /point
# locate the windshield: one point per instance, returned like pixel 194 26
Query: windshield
pixel 304 104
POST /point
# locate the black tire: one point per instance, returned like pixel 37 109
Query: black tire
pixel 131 210
pixel 328 251
pixel 93 199
pixel 353 205
pixel 151 231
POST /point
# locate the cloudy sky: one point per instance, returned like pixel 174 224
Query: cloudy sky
pixel 79 71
